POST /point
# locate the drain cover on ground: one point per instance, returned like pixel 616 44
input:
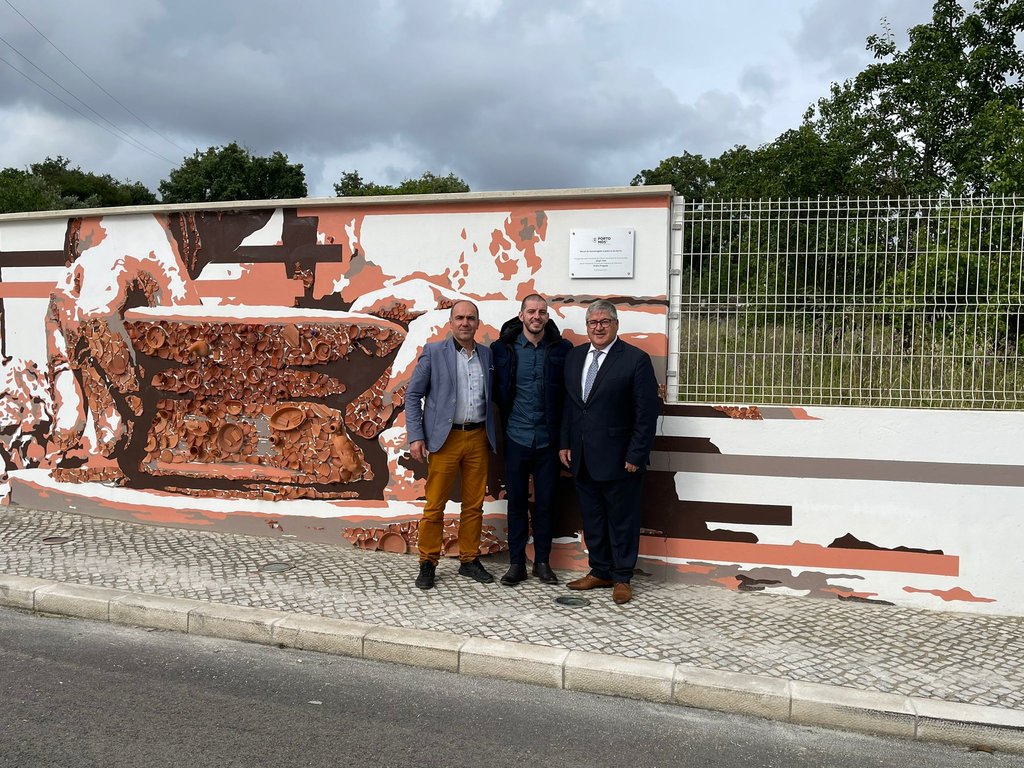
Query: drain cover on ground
pixel 275 567
pixel 572 602
pixel 56 539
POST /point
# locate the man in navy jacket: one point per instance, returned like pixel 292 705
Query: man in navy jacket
pixel 529 389
pixel 611 415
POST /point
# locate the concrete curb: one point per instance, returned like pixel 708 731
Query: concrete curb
pixel 906 717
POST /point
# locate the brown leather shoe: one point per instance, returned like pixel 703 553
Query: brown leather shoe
pixel 590 581
pixel 622 593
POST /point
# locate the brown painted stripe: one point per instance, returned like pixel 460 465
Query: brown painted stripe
pixel 261 254
pixel 842 469
pixel 740 514
pixel 685 445
pixel 777 412
pixel 692 411
pixel 619 301
pixel 31 258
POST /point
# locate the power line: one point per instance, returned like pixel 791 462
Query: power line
pixel 137 143
pixel 109 94
pixel 80 112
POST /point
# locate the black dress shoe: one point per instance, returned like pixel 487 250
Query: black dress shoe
pixel 543 572
pixel 514 574
pixel 426 578
pixel 475 570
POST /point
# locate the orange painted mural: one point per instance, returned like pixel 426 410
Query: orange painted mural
pixel 244 368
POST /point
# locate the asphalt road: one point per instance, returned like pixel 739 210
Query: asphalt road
pixel 76 693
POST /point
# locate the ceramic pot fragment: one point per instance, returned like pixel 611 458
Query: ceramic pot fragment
pixel 156 337
pixel 230 438
pixel 290 333
pixel 200 348
pixel 287 418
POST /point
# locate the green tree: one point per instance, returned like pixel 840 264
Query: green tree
pixel 919 121
pixel 82 189
pixel 53 185
pixel 233 173
pixel 799 163
pixel 944 116
pixel 23 191
pixel 351 184
pixel 690 175
pixel 1003 148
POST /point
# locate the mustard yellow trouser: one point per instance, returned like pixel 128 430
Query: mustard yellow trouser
pixel 465 451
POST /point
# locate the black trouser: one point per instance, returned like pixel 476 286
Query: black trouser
pixel 520 463
pixel 611 523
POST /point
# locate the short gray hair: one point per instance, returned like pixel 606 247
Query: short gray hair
pixel 602 305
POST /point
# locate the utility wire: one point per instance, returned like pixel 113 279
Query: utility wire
pixel 137 143
pixel 109 94
pixel 80 112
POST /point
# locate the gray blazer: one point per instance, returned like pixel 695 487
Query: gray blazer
pixel 430 396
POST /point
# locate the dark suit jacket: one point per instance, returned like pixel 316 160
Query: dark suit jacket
pixel 619 419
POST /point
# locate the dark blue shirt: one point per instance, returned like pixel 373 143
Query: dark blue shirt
pixel 526 423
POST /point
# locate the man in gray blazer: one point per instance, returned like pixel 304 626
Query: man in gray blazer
pixel 449 420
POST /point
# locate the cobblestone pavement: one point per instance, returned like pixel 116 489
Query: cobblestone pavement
pixel 957 657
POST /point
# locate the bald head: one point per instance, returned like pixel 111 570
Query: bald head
pixel 464 320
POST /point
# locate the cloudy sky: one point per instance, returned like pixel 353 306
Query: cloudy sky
pixel 507 94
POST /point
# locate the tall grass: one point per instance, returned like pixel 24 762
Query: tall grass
pixel 852 358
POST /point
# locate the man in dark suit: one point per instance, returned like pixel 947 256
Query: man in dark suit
pixel 608 425
pixel 449 419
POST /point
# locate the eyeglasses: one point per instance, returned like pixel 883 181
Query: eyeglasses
pixel 600 323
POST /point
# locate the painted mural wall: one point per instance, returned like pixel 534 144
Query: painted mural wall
pixel 243 368
pixel 911 507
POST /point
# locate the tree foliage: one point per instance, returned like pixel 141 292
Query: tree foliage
pixel 941 118
pixel 799 163
pixel 689 175
pixel 21 191
pixel 233 173
pixel 53 185
pixel 82 189
pixel 352 185
pixel 938 117
pixel 945 116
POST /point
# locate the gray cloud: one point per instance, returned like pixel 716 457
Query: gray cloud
pixel 833 33
pixel 507 94
pixel 759 81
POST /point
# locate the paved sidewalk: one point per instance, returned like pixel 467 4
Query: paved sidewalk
pixel 919 674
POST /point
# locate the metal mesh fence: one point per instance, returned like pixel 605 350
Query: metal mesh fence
pixel 866 302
